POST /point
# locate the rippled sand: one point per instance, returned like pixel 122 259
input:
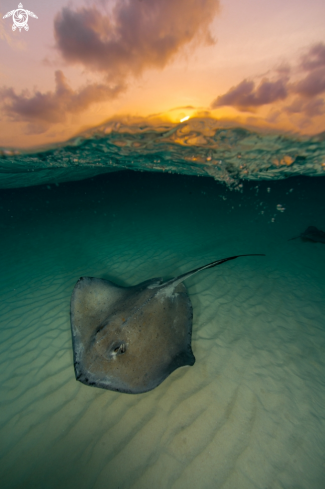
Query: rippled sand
pixel 248 414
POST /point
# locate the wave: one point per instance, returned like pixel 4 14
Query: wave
pixel 198 147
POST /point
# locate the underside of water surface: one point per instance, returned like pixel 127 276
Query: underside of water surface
pixel 249 413
pixel 200 147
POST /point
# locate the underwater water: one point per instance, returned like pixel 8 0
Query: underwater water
pixel 250 412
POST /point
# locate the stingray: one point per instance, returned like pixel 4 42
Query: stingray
pixel 129 339
pixel 311 234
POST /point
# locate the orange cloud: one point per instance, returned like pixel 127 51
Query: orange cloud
pixel 139 34
pixel 54 106
pixel 311 108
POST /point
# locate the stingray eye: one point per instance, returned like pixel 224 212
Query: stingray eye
pixel 118 349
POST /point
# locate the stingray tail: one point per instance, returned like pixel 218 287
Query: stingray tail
pixel 175 281
pixel 296 237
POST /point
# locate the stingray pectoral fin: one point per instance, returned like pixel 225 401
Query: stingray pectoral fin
pixel 184 358
pixel 92 298
pixel 91 301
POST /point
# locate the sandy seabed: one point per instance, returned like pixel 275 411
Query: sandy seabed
pixel 249 413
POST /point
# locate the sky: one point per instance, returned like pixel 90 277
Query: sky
pixel 254 63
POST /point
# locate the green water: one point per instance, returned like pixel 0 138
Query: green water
pixel 250 412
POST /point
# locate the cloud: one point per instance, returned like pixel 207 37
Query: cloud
pixel 314 58
pixel 313 84
pixel 312 62
pixel 283 69
pixel 311 108
pixel 137 36
pixel 310 69
pixel 54 106
pixel 245 95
